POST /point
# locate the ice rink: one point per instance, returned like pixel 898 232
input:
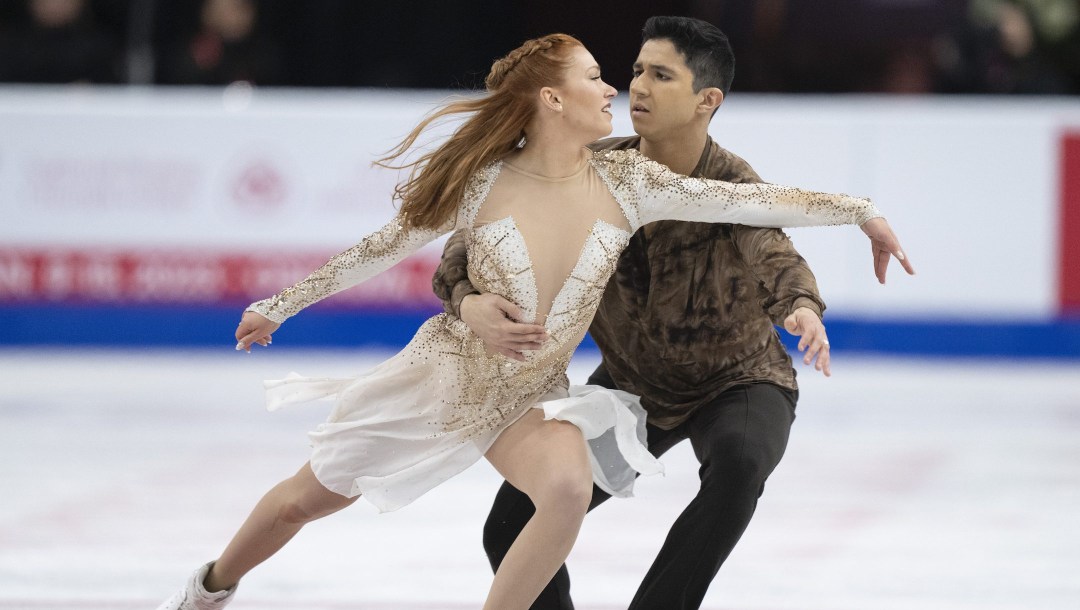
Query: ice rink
pixel 908 484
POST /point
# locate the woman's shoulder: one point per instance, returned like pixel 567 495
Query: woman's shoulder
pixel 626 167
pixel 482 179
pixel 620 165
pixel 476 191
pixel 624 156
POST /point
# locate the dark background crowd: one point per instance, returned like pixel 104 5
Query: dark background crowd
pixel 792 46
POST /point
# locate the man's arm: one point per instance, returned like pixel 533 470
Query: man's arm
pixel 769 253
pixel 792 299
pixel 490 316
pixel 451 281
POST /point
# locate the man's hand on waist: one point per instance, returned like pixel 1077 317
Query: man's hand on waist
pixel 495 320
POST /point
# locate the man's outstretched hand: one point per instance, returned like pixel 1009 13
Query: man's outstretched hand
pixel 806 325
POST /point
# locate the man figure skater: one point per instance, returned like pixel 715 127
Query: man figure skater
pixel 687 323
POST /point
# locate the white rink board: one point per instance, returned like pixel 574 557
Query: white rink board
pixel 971 185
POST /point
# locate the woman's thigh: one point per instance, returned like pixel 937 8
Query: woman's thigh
pixel 310 498
pixel 533 450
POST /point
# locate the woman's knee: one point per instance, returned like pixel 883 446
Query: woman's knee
pixel 568 489
pixel 305 500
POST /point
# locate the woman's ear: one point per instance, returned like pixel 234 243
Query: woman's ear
pixel 549 98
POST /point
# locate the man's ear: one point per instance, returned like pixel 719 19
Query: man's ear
pixel 711 98
pixel 549 98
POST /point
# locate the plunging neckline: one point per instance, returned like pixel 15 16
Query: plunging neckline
pixel 508 221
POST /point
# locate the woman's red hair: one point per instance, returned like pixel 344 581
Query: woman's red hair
pixel 497 121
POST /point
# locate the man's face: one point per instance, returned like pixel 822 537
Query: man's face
pixel 662 95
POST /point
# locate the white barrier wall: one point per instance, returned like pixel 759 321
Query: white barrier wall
pixel 972 186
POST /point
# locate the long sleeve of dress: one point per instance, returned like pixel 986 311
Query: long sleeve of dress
pixel 374 254
pixel 661 194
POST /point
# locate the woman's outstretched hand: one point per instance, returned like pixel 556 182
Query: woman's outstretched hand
pixel 254 328
pixel 883 246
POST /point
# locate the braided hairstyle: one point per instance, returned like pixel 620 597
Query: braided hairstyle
pixel 494 126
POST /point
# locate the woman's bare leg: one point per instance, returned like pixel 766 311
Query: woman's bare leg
pixel 281 513
pixel 548 461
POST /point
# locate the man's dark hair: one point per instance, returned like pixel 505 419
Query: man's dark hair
pixel 705 48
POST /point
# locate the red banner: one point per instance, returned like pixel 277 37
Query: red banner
pixel 103 275
pixel 1069 261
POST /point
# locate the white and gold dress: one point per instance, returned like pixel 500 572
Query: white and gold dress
pixel 549 245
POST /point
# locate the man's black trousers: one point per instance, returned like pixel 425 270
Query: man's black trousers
pixel 738 438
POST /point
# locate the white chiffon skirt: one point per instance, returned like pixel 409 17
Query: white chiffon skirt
pixel 382 441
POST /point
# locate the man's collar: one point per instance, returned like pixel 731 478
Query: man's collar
pixel 706 156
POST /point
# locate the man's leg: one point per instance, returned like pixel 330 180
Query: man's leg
pixel 739 439
pixel 512 509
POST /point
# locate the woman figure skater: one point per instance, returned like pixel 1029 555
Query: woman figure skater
pixel 547 219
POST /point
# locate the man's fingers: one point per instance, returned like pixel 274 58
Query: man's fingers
pixel 518 346
pixel 511 310
pixel 524 330
pixel 818 349
pixel 825 361
pixel 511 354
pixel 811 337
pixel 811 341
pixel 791 324
pixel 812 349
pixel 522 336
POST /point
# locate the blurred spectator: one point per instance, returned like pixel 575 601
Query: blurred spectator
pixel 57 41
pixel 227 46
pixel 1001 50
pixel 758 30
pixel 783 46
pixel 834 46
pixel 909 69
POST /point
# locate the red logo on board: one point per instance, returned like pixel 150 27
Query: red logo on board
pixel 260 185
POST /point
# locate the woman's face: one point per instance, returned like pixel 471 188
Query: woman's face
pixel 584 97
